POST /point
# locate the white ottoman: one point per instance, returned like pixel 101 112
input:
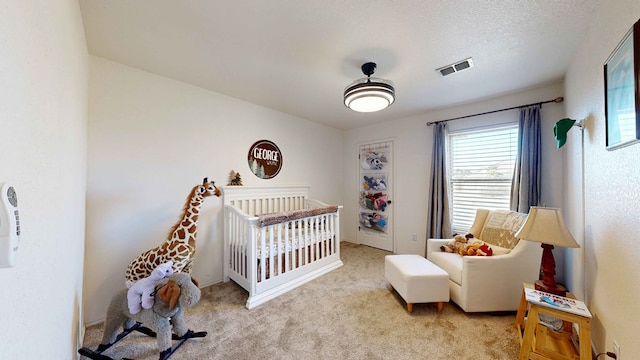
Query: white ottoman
pixel 417 280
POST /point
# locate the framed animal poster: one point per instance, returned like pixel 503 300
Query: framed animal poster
pixel 622 99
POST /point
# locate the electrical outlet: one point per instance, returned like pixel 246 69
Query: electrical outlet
pixel 414 237
pixel 616 349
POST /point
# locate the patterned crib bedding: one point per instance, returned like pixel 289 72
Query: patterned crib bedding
pixel 286 216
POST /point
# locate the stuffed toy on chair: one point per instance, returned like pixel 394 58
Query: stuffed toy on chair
pixel 140 295
pixel 457 244
pixel 477 248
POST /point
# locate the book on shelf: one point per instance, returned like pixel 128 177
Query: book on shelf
pixel 557 302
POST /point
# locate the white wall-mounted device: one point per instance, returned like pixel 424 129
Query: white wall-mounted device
pixel 9 225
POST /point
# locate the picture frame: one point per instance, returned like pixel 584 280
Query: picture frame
pixel 621 92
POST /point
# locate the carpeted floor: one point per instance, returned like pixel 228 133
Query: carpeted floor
pixel 346 314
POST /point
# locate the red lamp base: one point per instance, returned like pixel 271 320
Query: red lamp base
pixel 548 267
pixel 557 289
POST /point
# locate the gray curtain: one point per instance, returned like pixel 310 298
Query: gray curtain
pixel 525 185
pixel 439 219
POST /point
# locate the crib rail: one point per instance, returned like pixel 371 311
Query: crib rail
pixel 264 200
pixel 268 259
pixel 287 246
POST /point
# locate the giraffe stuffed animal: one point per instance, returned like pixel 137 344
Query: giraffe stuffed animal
pixel 180 246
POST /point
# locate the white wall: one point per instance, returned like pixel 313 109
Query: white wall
pixel 143 125
pixel 151 140
pixel 412 156
pixel 605 209
pixel 43 117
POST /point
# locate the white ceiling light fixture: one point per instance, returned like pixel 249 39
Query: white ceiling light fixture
pixel 369 94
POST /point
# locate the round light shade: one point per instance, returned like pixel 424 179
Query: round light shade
pixel 369 94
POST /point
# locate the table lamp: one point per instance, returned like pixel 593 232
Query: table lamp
pixel 546 225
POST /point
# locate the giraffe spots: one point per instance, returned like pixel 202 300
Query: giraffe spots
pixel 152 264
pixel 181 242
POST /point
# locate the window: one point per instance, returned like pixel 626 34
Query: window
pixel 481 163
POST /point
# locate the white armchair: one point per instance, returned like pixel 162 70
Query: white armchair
pixel 490 283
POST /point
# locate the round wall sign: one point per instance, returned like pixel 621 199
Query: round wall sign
pixel 265 159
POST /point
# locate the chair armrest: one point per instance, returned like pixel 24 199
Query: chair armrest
pixel 498 279
pixel 525 255
pixel 434 245
pixel 478 222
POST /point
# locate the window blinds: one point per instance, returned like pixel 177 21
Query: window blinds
pixel 481 164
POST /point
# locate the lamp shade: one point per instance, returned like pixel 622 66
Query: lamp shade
pixel 369 94
pixel 546 225
pixel 560 130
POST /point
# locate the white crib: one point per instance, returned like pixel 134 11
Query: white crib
pixel 276 239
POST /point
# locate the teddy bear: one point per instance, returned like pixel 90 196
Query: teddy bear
pixel 140 295
pixel 477 248
pixel 484 250
pixel 456 245
pixel 470 248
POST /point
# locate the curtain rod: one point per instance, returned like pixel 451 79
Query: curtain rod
pixel 559 99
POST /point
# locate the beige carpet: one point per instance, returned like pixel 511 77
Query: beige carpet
pixel 346 314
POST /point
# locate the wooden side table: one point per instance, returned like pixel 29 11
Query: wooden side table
pixel 539 342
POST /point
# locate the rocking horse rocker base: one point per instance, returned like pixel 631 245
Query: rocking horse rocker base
pixel 97 354
pixel 165 318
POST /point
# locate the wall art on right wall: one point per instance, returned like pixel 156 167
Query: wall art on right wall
pixel 621 92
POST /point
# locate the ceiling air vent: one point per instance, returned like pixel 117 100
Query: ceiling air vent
pixel 455 67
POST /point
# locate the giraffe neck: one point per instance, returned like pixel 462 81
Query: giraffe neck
pixel 186 228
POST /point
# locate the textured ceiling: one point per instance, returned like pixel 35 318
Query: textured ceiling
pixel 297 56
